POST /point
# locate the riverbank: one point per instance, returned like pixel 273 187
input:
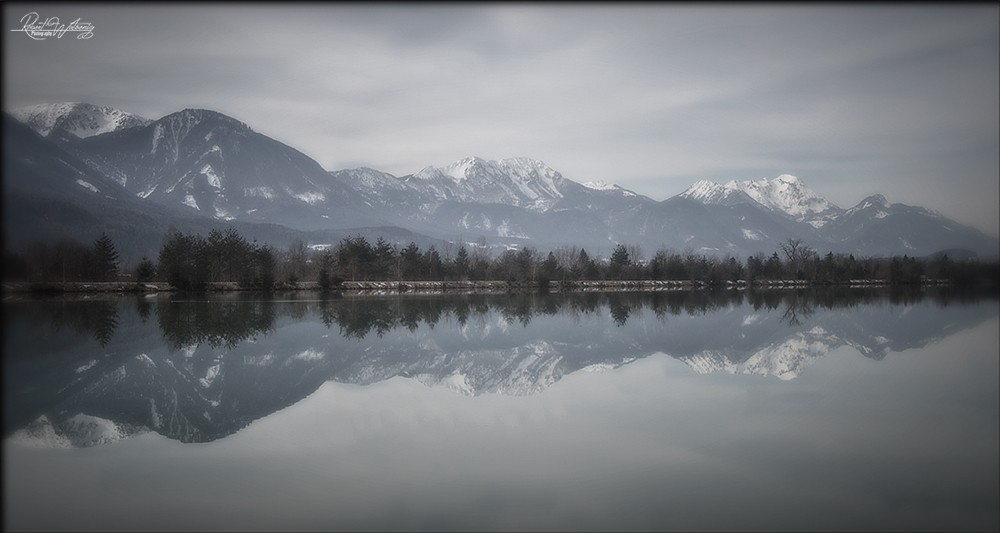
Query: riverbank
pixel 423 286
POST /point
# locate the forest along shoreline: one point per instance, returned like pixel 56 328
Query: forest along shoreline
pixel 423 285
pixel 227 262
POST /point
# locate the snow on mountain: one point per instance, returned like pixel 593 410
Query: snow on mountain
pixel 80 431
pixel 78 119
pixel 706 192
pixel 366 179
pixel 207 164
pixel 521 182
pixel 217 166
pixel 534 178
pixel 599 185
pixel 785 360
pixel 785 194
pixel 875 201
pixel 617 190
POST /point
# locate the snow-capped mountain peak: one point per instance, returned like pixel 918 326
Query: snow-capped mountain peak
pixel 790 179
pixel 518 181
pixel 785 194
pixel 875 200
pixel 708 192
pixel 788 194
pixel 599 185
pixel 78 119
pixel 460 170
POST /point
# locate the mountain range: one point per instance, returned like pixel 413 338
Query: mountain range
pixel 78 169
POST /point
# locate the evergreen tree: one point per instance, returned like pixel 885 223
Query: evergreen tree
pixel 549 270
pixel 410 262
pixel 432 264
pixel 266 261
pixel 461 263
pixel 619 261
pixel 105 259
pixel 327 280
pixel 587 266
pixel 184 261
pixel 384 259
pixel 145 271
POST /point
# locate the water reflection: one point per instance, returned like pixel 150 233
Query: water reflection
pixel 778 410
pixel 223 322
pixel 206 367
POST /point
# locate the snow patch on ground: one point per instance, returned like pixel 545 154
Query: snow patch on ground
pixel 260 360
pixel 505 230
pixel 310 355
pixel 210 375
pixel 222 213
pixel 263 192
pixel 157 135
pixel 212 178
pixel 86 367
pixel 86 185
pixel 311 198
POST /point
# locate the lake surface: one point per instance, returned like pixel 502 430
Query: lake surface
pixel 676 410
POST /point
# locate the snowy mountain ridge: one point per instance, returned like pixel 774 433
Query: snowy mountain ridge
pixel 785 194
pixel 206 164
pixel 81 120
pixel 520 182
pixel 79 431
pixel 785 359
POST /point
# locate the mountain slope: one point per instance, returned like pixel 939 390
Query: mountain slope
pixel 899 229
pixel 216 166
pixel 873 227
pixel 50 194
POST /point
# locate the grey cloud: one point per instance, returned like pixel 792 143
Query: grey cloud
pixel 651 97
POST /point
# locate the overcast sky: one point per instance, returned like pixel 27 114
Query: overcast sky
pixel 854 100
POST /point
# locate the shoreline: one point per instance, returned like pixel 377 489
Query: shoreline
pixel 443 286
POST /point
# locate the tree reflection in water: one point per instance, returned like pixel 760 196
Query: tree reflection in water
pixel 232 319
pixel 49 370
pixel 217 322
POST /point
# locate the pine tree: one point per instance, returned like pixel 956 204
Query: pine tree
pixel 411 260
pixel 145 271
pixel 461 263
pixel 619 260
pixel 385 259
pixel 105 259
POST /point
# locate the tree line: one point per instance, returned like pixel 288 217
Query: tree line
pixel 190 261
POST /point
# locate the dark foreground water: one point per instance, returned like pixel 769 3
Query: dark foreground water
pixel 794 410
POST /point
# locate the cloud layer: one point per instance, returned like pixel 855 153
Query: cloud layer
pixel 854 100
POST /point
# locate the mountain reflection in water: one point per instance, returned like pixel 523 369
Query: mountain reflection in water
pixel 205 367
pixel 676 410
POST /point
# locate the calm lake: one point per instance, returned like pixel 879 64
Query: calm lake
pixel 843 409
